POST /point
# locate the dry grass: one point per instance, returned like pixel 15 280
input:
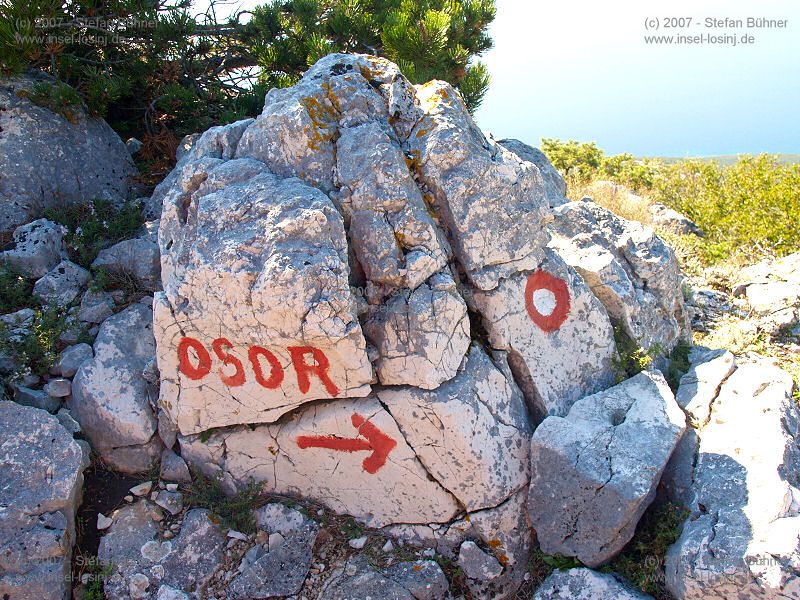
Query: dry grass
pixel 616 198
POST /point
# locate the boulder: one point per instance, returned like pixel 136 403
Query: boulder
pixel 585 584
pixel 96 307
pixel 140 561
pixel 36 398
pixel 554 185
pixel 595 471
pixel 671 220
pixel 173 468
pixel 42 474
pixel 741 538
pixel 772 290
pixel 35 248
pixel 110 398
pixel 49 161
pixel 631 270
pixel 62 284
pixel 279 567
pixel 136 258
pixel 72 358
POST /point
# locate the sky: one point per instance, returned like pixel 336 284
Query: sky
pixel 578 69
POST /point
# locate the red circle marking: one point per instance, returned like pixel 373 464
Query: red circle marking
pixel 542 280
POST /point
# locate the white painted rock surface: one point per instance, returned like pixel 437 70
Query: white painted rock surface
pixel 42 478
pixel 558 336
pixel 110 398
pixel 594 472
pixel 634 274
pixel 742 539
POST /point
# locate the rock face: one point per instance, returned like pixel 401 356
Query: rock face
pixel 634 274
pixel 42 478
pixel 585 584
pixel 110 398
pixel 772 289
pixel 554 185
pixel 594 472
pixel 741 539
pixel 673 221
pixel 359 300
pixel 47 160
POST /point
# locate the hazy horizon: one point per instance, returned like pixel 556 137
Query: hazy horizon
pixel 579 70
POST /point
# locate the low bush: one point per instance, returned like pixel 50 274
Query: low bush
pixel 236 511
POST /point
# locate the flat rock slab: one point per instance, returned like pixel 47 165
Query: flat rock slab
pixel 741 539
pixel 357 580
pixel 141 561
pixel 42 479
pixel 256 306
pixel 594 472
pixel 585 584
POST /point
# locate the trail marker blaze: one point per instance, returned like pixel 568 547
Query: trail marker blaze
pixel 542 280
pixel 373 439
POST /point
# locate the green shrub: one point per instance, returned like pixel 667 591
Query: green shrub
pixel 38 349
pixel 16 292
pixel 631 358
pixel 58 97
pixel 95 227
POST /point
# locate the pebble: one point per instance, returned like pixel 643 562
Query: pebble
pixel 358 543
pixel 429 552
pixel 275 540
pixel 103 522
pixel 237 535
pixel 168 535
pixel 388 546
pixel 128 498
pixel 142 489
pixel 172 487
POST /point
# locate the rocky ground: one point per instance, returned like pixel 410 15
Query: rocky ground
pixel 503 398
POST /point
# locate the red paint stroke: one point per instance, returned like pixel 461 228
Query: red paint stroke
pixel 374 439
pixel 276 370
pixel 303 369
pixel 185 364
pixel 220 345
pixel 542 280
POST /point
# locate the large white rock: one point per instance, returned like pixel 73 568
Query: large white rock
pixel 558 336
pixel 256 308
pixel 41 471
pixel 742 539
pixel 595 471
pixel 585 584
pixel 110 398
pixel 630 269
pixel 491 202
pixel 348 454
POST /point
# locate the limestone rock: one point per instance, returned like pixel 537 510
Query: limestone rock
pixel 357 580
pixel 476 563
pixel 276 250
pixel 72 358
pixel 281 568
pixel 110 398
pixel 58 387
pixel 772 289
pixel 137 258
pixel 62 284
pixel 173 468
pixel 594 472
pixel 634 274
pixel 671 220
pixel 36 398
pixel 42 475
pixel 96 307
pixel 298 457
pixel 184 564
pixel 700 385
pixel 477 421
pixel 35 248
pixel 554 185
pixel 585 584
pixel 741 539
pixel 49 161
pixel 421 336
pixel 539 318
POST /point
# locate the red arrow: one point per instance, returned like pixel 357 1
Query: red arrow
pixel 375 440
